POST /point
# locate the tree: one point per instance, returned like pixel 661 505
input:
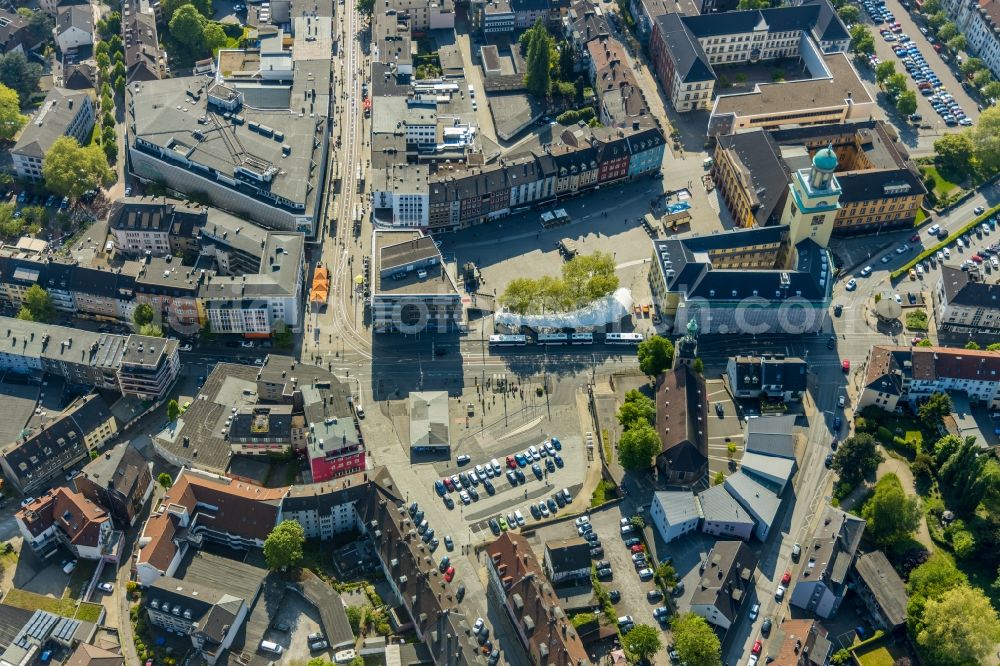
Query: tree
pixel 982 78
pixel 753 4
pixel 958 43
pixel 695 642
pixel 637 447
pixel 972 344
pixel 954 153
pixel 643 641
pixel 143 314
pixel 907 102
pixel 636 409
pixel 168 7
pixel 365 6
pixel 151 330
pixel 19 74
pixel 862 42
pixel 319 661
pixel 110 25
pixel 884 70
pixel 567 61
pixel 856 458
pixel 849 14
pixel 698 366
pixel 214 37
pixel 972 65
pixel 38 302
pixel 936 20
pixel 984 145
pixel 165 479
pixel 930 7
pixel 537 78
pixel 11 118
pixel 656 355
pixel 580 88
pixel 40 23
pixel 70 170
pixel 947 31
pixel 991 91
pixel 283 546
pixel 892 516
pixel 173 410
pixel 925 343
pixel 993 347
pixel 665 574
pixel 933 410
pixel 895 85
pixel 959 628
pixel 187 26
pixel 935 577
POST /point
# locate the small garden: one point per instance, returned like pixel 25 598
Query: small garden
pixel 916 320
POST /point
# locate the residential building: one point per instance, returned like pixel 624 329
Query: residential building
pixel 526 12
pixel 27 635
pixel 647 12
pixel 15 34
pixel 61 517
pixel 753 281
pixel 756 499
pixel 567 560
pixel 92 655
pixel 120 479
pixel 149 366
pixel 492 17
pixel 681 413
pixel 778 378
pixel 833 94
pixel 211 617
pixel 517 583
pixel 412 290
pixel 880 186
pixel 965 305
pixel 335 446
pixel 74 27
pixel 430 423
pixel 772 472
pixel 200 507
pixel 80 76
pixel 881 590
pixel 333 507
pixel 799 643
pixel 723 516
pixel 34 461
pixel 63 113
pixel 583 22
pixel 156 225
pixel 822 578
pixel 674 513
pixel 727 583
pixel 771 436
pixel 977 20
pixel 81 357
pixel 144 59
pixel 895 375
pixel 423 15
pixel 275 178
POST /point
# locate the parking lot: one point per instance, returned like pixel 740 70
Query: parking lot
pixel 911 50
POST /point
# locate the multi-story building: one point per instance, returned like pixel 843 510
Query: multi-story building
pixel 722 516
pixel 148 366
pixel 966 305
pixel 799 643
pixel 583 22
pixel 411 288
pixel 118 479
pixel 567 560
pixel 978 21
pixel 881 590
pixel 15 33
pixel 144 59
pixel 762 502
pixel 430 423
pixel 822 579
pixel 423 15
pixel 63 113
pixel 61 517
pixel 195 134
pixel 517 583
pixel 34 461
pixel 776 377
pixel 335 446
pixel 880 186
pixel 74 27
pixel 158 226
pixel 674 513
pixel 727 584
pixel 681 422
pixel 80 357
pixel 491 17
pixel 895 375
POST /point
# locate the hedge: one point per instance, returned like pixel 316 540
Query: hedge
pixel 905 268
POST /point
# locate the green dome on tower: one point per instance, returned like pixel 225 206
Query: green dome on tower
pixel 825 160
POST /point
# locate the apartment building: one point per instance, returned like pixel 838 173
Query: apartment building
pixel 149 366
pixel 909 374
pixel 822 575
pixel 881 590
pixel 423 15
pixel 880 186
pixel 144 59
pixel 776 377
pixel 727 584
pixel 674 513
pixel 80 357
pixel 583 22
pixel 543 632
pixel 978 21
pixel 63 113
pixel 74 27
pixel 965 304
pixel 35 460
pixel 120 480
pixel 155 225
pixel 799 643
pixel 61 517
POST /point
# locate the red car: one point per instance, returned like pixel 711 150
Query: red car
pixel 846 365
pixel 915 238
pixel 787 578
pixel 448 484
pixel 637 548
pixel 976 258
pixel 511 463
pixel 937 47
pixel 756 647
pixel 449 574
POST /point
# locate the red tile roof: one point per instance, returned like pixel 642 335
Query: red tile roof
pixel 75 515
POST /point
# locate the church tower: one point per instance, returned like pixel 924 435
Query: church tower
pixel 813 200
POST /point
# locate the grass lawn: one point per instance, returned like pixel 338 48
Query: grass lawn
pixel 31 601
pixel 880 656
pixel 605 491
pixel 89 612
pixel 942 186
pixel 921 216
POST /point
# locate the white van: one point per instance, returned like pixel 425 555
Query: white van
pixel 566 495
pixel 472 91
pixel 518 517
pixel 69 567
pixel 272 647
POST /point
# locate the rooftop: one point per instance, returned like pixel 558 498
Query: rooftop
pixel 50 122
pixel 885 584
pixel 429 421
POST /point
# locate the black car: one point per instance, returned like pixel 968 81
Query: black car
pixel 829 461
pixel 615 596
pixel 549 465
pixel 837 310
pixel 537 470
pixel 560 500
pixel 449 502
pixel 591 537
pixel 519 474
pixel 831 343
pixel 495 526
pixel 460 592
pixel 552 505
pixel 596 551
pixel 605 574
pixel 473 493
pixel 720 410
pixel 535 513
pixel 488 485
pixel 766 627
pixel 512 477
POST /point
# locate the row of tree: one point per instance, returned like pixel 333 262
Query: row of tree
pixel 893 83
pixel 585 278
pixel 974 151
